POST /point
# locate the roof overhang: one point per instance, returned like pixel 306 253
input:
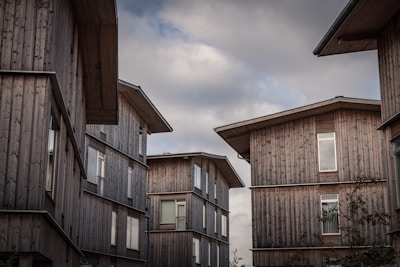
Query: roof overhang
pixel 357 27
pixel 145 108
pixel 237 135
pixel 222 163
pixel 98 41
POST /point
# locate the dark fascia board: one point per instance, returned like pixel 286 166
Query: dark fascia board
pixel 221 162
pixel 146 109
pixel 237 134
pixel 357 27
pixel 98 41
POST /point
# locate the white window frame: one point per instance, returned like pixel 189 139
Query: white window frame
pixel 197 176
pixel 215 222
pixel 224 225
pixel 196 250
pixel 130 181
pixel 100 168
pixel 207 182
pixel 323 138
pixel 113 228
pixel 215 190
pixel 132 233
pixel 178 219
pixel 330 198
pixel 52 151
pixel 209 253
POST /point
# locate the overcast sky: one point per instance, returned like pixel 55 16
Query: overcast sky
pixel 210 63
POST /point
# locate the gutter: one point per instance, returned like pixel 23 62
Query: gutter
pixel 335 26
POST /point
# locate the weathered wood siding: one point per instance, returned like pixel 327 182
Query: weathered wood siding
pixel 96 234
pixel 125 136
pixel 289 216
pixel 288 154
pixel 389 61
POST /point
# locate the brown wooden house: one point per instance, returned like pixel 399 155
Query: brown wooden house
pixel 58 71
pixel 114 212
pixel 304 163
pixel 189 195
pixel 374 25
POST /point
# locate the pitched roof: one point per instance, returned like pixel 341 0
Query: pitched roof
pixel 222 163
pixel 97 24
pixel 142 104
pixel 357 27
pixel 237 135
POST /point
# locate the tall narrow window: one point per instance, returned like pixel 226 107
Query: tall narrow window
pixel 215 221
pixel 113 228
pixel 204 216
pixel 132 233
pixel 197 176
pixel 330 214
pixel 215 190
pixel 96 168
pixel 327 152
pixel 397 169
pixel 209 254
pixel 140 140
pixel 196 250
pixel 130 178
pixel 224 225
pixel 207 182
pixel 51 157
pixel 180 215
pixel 217 255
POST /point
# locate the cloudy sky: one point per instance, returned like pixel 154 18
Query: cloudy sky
pixel 209 63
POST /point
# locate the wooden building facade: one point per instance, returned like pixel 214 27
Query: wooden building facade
pixel 355 30
pixel 305 163
pixel 114 213
pixel 189 196
pixel 52 54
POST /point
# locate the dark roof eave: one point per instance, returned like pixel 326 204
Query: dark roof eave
pixel 335 26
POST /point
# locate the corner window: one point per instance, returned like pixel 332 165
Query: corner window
pixel 113 228
pixel 196 250
pixel 52 156
pixel 326 152
pixel 96 168
pixel 132 233
pixel 130 179
pixel 197 176
pixel 330 214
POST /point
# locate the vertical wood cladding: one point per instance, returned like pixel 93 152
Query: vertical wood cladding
pixel 389 62
pixel 287 153
pixel 40 36
pixel 124 136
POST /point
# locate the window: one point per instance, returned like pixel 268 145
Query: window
pixel 207 182
pixel 196 250
pixel 215 221
pixel 330 214
pixel 215 190
pixel 140 145
pixel 397 169
pixel 326 152
pixel 209 254
pixel 218 255
pixel 113 228
pixel 130 178
pixel 173 212
pixel 224 225
pixel 132 233
pixel 96 168
pixel 51 156
pixel 197 176
pixel 204 216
